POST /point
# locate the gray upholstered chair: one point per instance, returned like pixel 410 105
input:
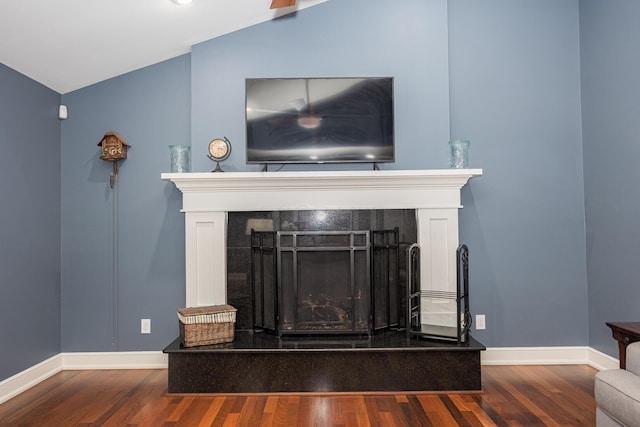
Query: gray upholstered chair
pixel 617 392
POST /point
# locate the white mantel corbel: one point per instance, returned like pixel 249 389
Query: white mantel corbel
pixel 208 197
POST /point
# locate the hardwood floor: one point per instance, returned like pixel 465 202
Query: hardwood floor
pixel 559 395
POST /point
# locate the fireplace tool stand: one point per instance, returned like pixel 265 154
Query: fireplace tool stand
pixel 417 296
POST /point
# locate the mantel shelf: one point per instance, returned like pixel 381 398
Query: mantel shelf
pixel 385 189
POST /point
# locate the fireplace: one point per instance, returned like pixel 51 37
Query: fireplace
pixel 214 206
pixel 208 198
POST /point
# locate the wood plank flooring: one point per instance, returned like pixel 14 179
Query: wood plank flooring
pixel 512 396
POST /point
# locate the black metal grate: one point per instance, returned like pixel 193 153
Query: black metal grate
pixel 325 282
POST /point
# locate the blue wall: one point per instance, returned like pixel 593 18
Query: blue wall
pixel 339 38
pixel 609 36
pixel 515 92
pixel 29 222
pixel 150 108
pixel 463 69
pixel 102 305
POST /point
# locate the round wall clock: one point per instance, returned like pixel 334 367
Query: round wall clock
pixel 219 150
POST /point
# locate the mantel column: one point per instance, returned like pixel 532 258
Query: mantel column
pixel 206 258
pixel 438 240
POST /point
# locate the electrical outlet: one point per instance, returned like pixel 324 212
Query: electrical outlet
pixel 480 322
pixel 145 326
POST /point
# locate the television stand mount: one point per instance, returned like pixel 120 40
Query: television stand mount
pixel 265 167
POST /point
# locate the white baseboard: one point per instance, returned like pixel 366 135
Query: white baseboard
pixel 157 360
pixel 26 379
pixel 115 360
pixel 548 356
pixel 534 356
pixel 602 361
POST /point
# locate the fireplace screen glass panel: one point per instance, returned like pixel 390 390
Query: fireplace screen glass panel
pixel 324 291
pixel 324 282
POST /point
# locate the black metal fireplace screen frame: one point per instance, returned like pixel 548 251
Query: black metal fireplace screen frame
pixel 379 249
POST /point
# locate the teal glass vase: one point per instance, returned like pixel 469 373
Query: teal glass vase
pixel 180 158
pixel 459 154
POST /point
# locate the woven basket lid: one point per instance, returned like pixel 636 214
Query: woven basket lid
pixel 208 309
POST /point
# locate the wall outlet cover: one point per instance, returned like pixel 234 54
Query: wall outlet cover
pixel 480 322
pixel 145 326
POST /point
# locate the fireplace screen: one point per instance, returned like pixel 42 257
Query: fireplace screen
pixel 321 282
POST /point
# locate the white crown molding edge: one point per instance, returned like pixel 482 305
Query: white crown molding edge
pixel 30 377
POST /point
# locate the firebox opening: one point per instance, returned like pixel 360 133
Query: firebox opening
pixel 323 281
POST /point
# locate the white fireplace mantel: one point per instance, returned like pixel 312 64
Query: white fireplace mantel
pixel 207 197
pixel 255 191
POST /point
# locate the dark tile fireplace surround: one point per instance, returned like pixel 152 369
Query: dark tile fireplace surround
pixel 239 289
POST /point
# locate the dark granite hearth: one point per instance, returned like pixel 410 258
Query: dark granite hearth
pixel 263 363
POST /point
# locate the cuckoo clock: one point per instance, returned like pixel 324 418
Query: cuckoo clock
pixel 113 148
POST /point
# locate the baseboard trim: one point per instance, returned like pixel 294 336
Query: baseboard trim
pixel 30 377
pixel 23 381
pixel 548 356
pixel 601 361
pixel 535 356
pixel 115 360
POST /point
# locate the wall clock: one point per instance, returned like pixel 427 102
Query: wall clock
pixel 113 148
pixel 219 150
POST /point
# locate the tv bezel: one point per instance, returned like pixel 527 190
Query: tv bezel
pixel 358 161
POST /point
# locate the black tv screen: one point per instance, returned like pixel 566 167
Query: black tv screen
pixel 320 120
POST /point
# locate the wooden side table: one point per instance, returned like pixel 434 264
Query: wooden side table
pixel 625 333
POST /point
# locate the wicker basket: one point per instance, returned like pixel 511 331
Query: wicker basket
pixel 206 325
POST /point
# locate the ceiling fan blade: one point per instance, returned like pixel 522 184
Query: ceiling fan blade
pixel 277 4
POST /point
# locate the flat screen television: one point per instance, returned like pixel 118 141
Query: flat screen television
pixel 320 120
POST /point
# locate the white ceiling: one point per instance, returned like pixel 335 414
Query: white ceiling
pixel 70 44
